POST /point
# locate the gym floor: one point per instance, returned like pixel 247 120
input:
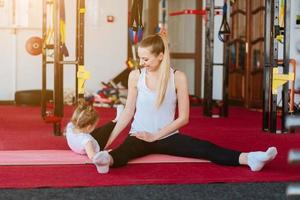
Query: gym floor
pixel 219 191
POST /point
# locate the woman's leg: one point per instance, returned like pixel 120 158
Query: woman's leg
pixel 186 146
pixel 131 148
pixel 256 160
pixel 101 134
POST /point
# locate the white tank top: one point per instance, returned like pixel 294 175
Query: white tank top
pixel 147 116
pixel 77 141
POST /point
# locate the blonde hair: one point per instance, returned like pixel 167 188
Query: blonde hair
pixel 159 44
pixel 84 115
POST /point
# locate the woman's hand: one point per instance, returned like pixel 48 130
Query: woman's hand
pixel 146 136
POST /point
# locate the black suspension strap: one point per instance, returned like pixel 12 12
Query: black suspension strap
pixel 224 28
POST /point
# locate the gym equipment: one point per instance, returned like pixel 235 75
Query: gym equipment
pixel 55 20
pixel 209 64
pixel 82 76
pixel 106 97
pixel 195 12
pixel 68 157
pixel 224 28
pixel 209 13
pixel 136 25
pixel 62 22
pixel 32 97
pixel 34 45
pixel 271 78
pixel 162 24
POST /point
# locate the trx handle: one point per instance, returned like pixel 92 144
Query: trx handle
pixel 224 28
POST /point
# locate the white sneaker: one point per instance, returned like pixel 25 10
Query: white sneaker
pixel 102 160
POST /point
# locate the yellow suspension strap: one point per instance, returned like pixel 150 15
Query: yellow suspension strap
pixel 281 14
pixel 82 76
pixel 280 79
pixel 280 34
pixel 50 20
pixel 292 75
pixel 62 22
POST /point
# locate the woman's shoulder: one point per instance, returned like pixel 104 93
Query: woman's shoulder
pixel 135 74
pixel 179 75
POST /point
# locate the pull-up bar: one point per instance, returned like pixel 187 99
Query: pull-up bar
pixel 195 12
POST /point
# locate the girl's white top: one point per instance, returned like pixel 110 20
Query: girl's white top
pixel 148 117
pixel 77 141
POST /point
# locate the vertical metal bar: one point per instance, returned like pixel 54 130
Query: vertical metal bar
pixel 44 61
pixel 209 55
pixel 198 51
pixel 274 63
pixel 58 68
pixel 79 40
pixel 224 107
pixel 286 60
pixel 267 68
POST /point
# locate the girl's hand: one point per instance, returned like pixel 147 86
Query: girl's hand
pixel 146 136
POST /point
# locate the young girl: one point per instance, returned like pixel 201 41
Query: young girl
pixel 82 135
pixel 153 94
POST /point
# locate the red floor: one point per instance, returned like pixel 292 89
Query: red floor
pixel 22 128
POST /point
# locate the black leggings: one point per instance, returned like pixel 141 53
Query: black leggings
pixel 101 134
pixel 176 145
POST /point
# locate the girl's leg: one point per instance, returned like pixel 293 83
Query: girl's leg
pixel 101 134
pixel 186 146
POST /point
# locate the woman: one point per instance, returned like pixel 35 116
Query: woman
pixel 153 93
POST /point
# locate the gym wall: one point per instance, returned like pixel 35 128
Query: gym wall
pixel 105 44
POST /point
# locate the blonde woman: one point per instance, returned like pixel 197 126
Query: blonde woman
pixel 154 92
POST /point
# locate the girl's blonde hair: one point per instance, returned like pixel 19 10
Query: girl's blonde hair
pixel 84 115
pixel 159 44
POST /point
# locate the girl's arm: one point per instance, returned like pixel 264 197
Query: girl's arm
pixel 129 109
pixel 183 111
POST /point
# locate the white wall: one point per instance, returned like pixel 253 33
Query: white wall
pixel 7 67
pixel 181 31
pixel 7 41
pixel 105 45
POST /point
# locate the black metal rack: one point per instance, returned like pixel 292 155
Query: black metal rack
pixel 54 116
